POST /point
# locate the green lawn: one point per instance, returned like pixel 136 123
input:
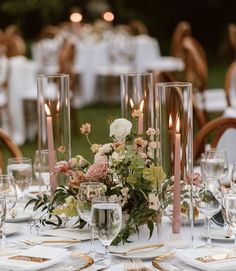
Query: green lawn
pixel 98 116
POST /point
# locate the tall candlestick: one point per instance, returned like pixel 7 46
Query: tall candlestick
pixel 177 188
pixel 51 150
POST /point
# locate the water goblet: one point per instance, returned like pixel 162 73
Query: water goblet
pixel 8 199
pixel 41 168
pixel 106 222
pixel 233 178
pixel 87 191
pixel 209 201
pixel 229 204
pixel 21 170
pixel 216 163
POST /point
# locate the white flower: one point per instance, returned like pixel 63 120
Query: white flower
pixel 118 157
pixel 106 148
pixel 120 128
pixel 151 132
pixel 154 202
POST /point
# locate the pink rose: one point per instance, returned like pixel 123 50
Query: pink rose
pixel 97 171
pixel 77 178
pixel 65 167
pixel 100 159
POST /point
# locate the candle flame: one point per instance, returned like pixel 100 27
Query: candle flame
pixel 131 103
pixel 47 110
pixel 58 106
pixel 141 106
pixel 177 125
pixel 170 122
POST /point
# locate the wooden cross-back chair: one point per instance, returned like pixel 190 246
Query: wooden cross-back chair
pixel 182 30
pixel 230 82
pixel 215 129
pixel 195 63
pixel 232 36
pixel 7 143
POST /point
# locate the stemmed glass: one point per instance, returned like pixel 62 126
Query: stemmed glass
pixel 106 222
pixel 229 204
pixel 233 178
pixel 21 170
pixel 209 201
pixel 7 203
pixel 88 191
pixel 216 164
pixel 41 168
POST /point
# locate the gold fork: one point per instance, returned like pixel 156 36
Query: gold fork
pixel 129 265
pixel 140 265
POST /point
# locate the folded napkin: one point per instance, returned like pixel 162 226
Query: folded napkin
pixel 35 258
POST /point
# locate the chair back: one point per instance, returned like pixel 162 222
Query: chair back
pixel 230 84
pixel 196 69
pixel 182 30
pixel 214 130
pixel 11 147
pixel 232 36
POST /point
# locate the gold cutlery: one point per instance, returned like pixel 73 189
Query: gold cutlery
pixel 156 262
pixel 135 265
pixel 137 249
pixel 29 242
pixel 216 257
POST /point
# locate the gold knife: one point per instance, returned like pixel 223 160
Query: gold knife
pixel 138 248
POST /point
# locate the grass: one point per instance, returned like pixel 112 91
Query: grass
pixel 98 116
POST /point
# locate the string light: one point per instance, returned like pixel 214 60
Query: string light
pixel 76 17
pixel 108 16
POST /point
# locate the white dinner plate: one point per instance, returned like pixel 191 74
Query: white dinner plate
pixel 20 216
pixel 71 233
pixel 144 254
pixel 20 262
pixel 217 234
pixel 11 229
pixel 190 255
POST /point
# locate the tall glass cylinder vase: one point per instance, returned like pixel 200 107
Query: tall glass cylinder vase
pixel 54 122
pixel 137 100
pixel 173 107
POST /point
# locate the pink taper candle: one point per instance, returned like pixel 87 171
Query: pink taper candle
pixel 177 188
pixel 51 151
pixel 140 119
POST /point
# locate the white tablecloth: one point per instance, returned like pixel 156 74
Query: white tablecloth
pixel 92 59
pixel 22 85
pixel 27 232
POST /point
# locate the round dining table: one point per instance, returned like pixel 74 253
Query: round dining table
pixel 26 230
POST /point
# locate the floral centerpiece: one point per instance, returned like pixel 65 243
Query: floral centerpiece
pixel 127 167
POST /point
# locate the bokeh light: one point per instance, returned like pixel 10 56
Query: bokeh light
pixel 76 17
pixel 108 16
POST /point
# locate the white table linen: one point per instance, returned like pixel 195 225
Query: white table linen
pixel 22 85
pixel 27 232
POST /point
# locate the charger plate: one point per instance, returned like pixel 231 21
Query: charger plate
pixel 75 262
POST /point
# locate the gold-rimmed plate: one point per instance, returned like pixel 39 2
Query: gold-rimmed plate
pixel 75 262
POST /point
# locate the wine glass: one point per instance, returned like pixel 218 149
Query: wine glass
pixel 8 199
pixel 233 178
pixel 216 163
pixel 88 191
pixel 229 204
pixel 209 201
pixel 106 222
pixel 41 168
pixel 21 170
